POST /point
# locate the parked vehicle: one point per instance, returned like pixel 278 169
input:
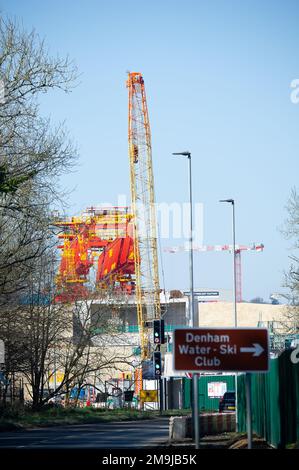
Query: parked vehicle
pixel 228 402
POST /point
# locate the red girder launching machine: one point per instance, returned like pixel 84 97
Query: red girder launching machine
pixel 102 237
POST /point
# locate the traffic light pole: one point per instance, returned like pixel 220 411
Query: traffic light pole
pixel 158 327
pixel 161 391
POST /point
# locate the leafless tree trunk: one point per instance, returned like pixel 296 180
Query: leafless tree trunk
pixel 291 231
pixel 32 153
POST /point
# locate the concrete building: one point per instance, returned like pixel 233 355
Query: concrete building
pixel 123 342
pixel 210 313
pixel 248 314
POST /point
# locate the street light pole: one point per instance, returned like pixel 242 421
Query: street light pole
pixel 235 267
pixel 191 307
pixel 192 317
pixel 232 202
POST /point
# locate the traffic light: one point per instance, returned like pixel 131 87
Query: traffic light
pixel 159 332
pixel 157 364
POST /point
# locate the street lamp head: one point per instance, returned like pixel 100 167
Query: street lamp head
pixel 231 201
pixel 184 154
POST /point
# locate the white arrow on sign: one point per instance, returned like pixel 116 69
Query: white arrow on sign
pixel 256 350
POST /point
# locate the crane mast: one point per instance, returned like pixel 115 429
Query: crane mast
pixel 143 208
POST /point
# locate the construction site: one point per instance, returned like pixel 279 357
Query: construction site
pixel 149 227
pixel 109 259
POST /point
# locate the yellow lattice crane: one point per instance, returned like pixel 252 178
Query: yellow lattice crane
pixel 143 208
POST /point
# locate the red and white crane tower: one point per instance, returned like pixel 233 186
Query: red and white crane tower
pixel 238 250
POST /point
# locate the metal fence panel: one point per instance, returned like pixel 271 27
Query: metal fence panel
pixel 206 402
pixel 275 402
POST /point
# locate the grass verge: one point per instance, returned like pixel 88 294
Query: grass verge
pixel 26 419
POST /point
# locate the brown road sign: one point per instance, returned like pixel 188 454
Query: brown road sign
pixel 221 349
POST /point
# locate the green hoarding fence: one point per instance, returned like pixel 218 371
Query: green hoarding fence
pixel 275 402
pixel 209 388
pixel 134 329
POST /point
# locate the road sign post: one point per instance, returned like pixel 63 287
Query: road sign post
pixel 161 393
pixel 223 350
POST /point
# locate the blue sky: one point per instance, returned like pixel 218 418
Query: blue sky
pixel 217 76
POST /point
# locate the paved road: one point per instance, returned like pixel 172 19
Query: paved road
pixel 129 434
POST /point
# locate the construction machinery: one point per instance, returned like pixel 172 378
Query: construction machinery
pixel 123 244
pixel 99 238
pixel 147 289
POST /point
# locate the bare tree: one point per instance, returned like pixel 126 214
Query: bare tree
pixel 98 347
pixel 80 340
pixel 291 232
pixel 41 336
pixel 32 153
